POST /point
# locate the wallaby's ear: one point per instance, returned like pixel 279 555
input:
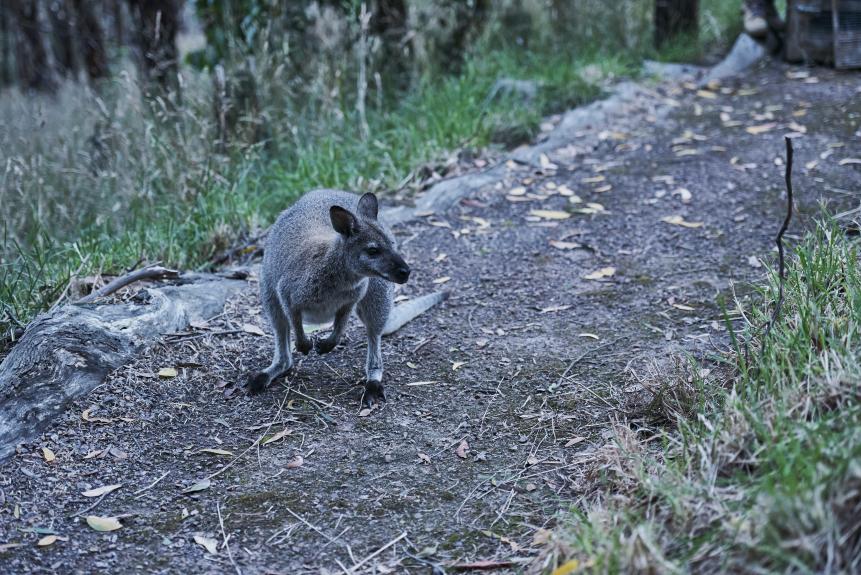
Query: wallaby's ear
pixel 342 220
pixel 368 206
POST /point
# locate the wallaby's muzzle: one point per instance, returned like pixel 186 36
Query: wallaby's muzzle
pixel 401 274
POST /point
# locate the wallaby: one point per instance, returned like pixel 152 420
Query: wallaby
pixel 325 256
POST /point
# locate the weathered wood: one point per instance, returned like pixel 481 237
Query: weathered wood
pixel 67 352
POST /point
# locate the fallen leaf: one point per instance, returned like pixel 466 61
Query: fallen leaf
pixel 167 372
pixel 208 543
pixel 555 308
pixel 683 307
pixel 760 129
pixel 199 486
pixel 519 191
pixel 560 245
pixel 103 523
pixel 546 164
pixel 849 161
pixel 7 546
pixel 420 383
pixel 365 412
pixel 589 335
pixel 708 94
pixel 753 262
pixel 252 329
pixel 216 451
pixel 442 280
pixel 680 221
pixel 600 274
pixel 48 455
pixel 567 568
pixel 296 462
pixel 85 415
pixel 425 458
pixel 456 365
pixel 564 190
pixel 574 441
pixel 462 449
pixel 684 194
pixel 277 437
pixel 550 214
pixel 604 189
pixel 440 257
pixel 593 180
pixel 531 460
pixel 99 491
pixel 47 540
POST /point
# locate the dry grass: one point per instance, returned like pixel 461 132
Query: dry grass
pixel 757 476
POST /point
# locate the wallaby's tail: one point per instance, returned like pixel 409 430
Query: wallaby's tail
pixel 408 311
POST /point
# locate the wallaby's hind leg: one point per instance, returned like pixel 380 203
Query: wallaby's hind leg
pixel 326 345
pixel 282 359
pixel 303 342
pixel 374 310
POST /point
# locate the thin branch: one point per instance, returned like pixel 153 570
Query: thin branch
pixel 226 543
pixel 148 273
pixel 779 240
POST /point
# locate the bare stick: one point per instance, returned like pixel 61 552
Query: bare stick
pixel 377 552
pixel 151 485
pixel 226 544
pixel 148 273
pixel 779 240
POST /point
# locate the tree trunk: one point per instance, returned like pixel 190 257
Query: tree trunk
pixel 67 352
pixel 5 50
pixel 63 37
pixel 30 55
pixel 674 18
pixel 157 27
pixel 92 40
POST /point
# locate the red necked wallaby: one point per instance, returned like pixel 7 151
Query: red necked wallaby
pixel 326 256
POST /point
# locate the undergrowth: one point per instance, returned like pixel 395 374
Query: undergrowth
pixel 763 473
pixel 95 182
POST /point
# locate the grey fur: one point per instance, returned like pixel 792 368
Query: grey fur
pixel 314 273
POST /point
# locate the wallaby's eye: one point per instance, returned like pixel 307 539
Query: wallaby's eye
pixel 373 251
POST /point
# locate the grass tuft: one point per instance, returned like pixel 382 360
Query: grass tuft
pixel 763 476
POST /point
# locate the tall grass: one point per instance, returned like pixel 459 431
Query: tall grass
pixel 94 181
pixel 763 476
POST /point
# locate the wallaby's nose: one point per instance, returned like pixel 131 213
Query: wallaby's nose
pixel 402 274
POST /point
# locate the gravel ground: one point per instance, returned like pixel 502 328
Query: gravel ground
pixel 562 317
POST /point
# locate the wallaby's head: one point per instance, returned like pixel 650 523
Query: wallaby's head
pixel 368 249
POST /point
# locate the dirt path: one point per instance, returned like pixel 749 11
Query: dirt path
pixel 528 361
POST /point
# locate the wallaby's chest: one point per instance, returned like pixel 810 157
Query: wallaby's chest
pixel 323 301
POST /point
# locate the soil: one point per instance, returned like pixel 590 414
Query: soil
pixel 497 398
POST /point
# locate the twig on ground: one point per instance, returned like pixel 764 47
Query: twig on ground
pixel 377 552
pixel 226 544
pixel 580 358
pixel 151 485
pixel 256 441
pixel 91 507
pixel 148 273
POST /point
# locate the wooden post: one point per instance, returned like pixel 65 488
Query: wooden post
pixel 674 18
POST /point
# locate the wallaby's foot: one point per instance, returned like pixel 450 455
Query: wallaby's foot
pixel 258 382
pixel 304 345
pixel 374 393
pixel 325 345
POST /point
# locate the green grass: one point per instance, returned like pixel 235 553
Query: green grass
pixel 216 204
pixel 97 182
pixel 764 475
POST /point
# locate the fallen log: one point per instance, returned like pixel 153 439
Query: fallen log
pixel 68 351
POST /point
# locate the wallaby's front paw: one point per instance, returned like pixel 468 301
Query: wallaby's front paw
pixel 325 345
pixel 304 346
pixel 374 393
pixel 257 382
